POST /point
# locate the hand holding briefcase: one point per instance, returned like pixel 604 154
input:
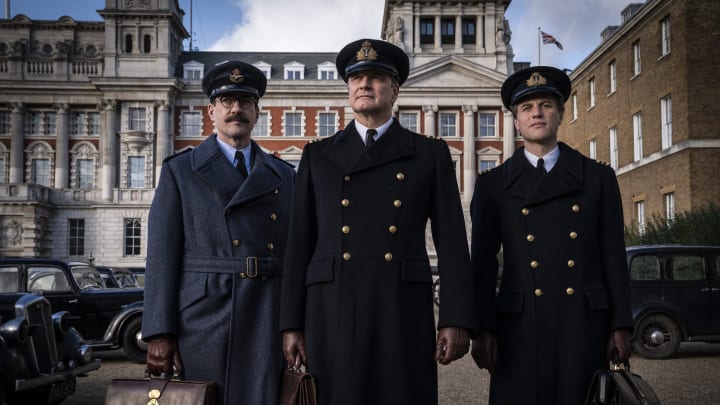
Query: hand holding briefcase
pixel 618 386
pixel 297 388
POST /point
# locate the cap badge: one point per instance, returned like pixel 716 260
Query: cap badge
pixel 536 79
pixel 236 76
pixel 367 52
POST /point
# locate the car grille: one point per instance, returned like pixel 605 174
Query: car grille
pixel 41 351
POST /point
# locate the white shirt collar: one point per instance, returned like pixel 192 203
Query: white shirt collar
pixel 362 129
pixel 550 158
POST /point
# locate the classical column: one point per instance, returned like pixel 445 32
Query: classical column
pixel 17 121
pixel 430 111
pixel 163 137
pixel 416 38
pixel 469 160
pixel 62 153
pixel 490 28
pixel 438 44
pixel 479 34
pixel 508 134
pixel 109 150
pixel 458 34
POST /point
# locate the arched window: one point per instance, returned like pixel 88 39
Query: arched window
pixel 146 43
pixel 128 43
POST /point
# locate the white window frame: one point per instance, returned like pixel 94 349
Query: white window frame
pixel 264 67
pixel 76 232
pixel 193 70
pixel 403 117
pixel 574 107
pixel 329 69
pixel 94 123
pixel 136 172
pixel 666 121
pixel 637 136
pixel 85 179
pixel 33 123
pixel 285 126
pixel 591 89
pixel 40 175
pixel 665 36
pixel 593 149
pixel 613 148
pixel 486 164
pixel 637 66
pixel 669 206
pixel 481 125
pixel 294 69
pixel 328 129
pixel 447 126
pixel 613 76
pixel 640 212
pixel 137 122
pixel 132 231
pixel 191 128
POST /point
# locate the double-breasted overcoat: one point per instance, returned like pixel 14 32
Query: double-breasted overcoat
pixel 357 278
pixel 565 282
pixel 215 255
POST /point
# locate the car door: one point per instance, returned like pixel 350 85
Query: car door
pixel 687 289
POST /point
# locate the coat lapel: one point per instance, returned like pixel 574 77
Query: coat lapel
pixel 521 179
pixel 345 148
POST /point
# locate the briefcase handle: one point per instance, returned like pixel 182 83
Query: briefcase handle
pixel 616 363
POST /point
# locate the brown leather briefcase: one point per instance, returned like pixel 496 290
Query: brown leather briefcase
pixel 298 388
pixel 159 391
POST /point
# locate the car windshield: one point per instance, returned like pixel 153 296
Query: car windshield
pixel 87 277
pixel 124 278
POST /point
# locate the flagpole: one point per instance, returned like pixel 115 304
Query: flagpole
pixel 539 42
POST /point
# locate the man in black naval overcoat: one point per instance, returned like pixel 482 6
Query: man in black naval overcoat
pixel 563 302
pixel 356 303
pixel 217 233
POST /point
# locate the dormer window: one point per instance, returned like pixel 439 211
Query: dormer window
pixel 265 68
pixel 327 71
pixel 193 70
pixel 294 71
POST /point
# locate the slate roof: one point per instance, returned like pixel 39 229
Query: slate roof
pixel 277 60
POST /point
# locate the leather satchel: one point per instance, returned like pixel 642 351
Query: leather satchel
pixel 618 386
pixel 159 391
pixel 297 388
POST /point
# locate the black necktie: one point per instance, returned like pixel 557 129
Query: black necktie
pixel 240 158
pixel 370 137
pixel 541 166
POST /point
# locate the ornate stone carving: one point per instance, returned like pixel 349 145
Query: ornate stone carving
pixel 137 3
pixel 11 234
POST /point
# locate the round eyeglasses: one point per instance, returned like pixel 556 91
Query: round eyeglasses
pixel 229 101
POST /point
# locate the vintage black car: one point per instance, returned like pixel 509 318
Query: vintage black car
pixel 118 277
pixel 675 297
pixel 108 318
pixel 41 355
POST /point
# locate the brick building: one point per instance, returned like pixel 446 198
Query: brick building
pixel 645 101
pixel 89 110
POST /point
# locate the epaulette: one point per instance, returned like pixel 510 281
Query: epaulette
pixel 177 154
pixel 485 171
pixel 602 162
pixel 284 161
pixel 316 140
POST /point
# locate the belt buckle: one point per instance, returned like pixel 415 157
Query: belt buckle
pixel 251 265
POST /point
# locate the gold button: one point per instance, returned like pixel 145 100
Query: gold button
pixel 575 208
pixel 525 211
pixel 276 191
pixel 347 179
pixel 400 176
pixel 571 263
pixel 534 264
pixel 570 291
pixel 270 246
pixel 273 216
pixel 538 292
pixel 346 256
pixel 392 229
pixel 236 243
pixel 388 257
pixel 345 202
pixel 530 237
pixel 573 235
pixel 345 229
pixel 397 203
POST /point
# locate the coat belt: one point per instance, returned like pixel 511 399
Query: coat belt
pixel 246 267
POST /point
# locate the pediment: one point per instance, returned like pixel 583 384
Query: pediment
pixel 454 72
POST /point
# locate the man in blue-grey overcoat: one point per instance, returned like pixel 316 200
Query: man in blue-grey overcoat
pixel 217 234
pixel 563 304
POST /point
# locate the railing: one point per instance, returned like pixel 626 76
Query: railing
pixel 39 67
pixel 85 68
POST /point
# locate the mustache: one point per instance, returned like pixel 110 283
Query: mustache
pixel 237 117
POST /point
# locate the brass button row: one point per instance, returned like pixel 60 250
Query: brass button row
pixel 347 256
pixel 569 291
pixel 237 243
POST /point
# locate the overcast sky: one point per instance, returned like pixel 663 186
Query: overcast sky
pixel 327 25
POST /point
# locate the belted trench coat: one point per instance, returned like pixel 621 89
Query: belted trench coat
pixel 215 257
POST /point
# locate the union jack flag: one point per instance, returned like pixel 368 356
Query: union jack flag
pixel 549 39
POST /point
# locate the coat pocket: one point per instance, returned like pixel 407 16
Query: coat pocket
pixel 193 290
pixel 598 299
pixel 320 271
pixel 509 303
pixel 415 271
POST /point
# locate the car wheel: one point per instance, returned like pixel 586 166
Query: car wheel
pixel 436 291
pixel 132 343
pixel 657 337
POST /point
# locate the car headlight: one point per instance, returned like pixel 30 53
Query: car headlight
pixel 15 331
pixel 61 321
pixel 84 354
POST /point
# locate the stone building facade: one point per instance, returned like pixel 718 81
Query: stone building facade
pixel 89 110
pixel 645 101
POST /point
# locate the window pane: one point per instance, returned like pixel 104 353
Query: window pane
pixel 326 124
pixel 427 32
pixel 132 236
pixel 93 123
pixel 190 123
pixel 645 268
pixel 137 119
pixel 8 279
pixel 41 172
pixel 4 122
pixel 136 172
pixel 293 124
pixel 448 125
pixel 685 268
pixel 76 237
pixel 85 173
pixel 409 121
pixel 261 126
pixel 487 124
pixel 50 120
pixel 468 32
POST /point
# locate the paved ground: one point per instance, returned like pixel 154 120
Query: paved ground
pixel 693 378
